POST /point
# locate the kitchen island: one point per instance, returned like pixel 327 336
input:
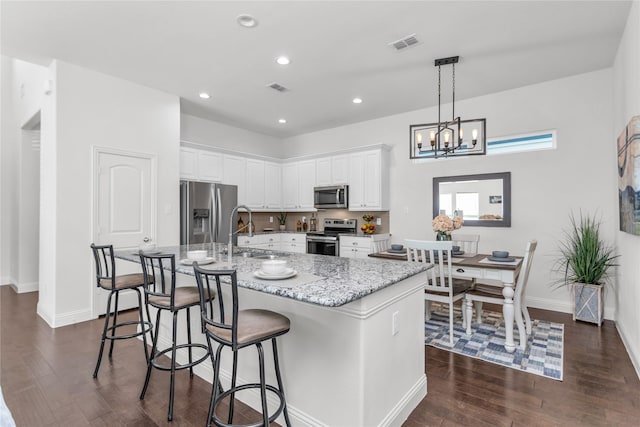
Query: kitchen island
pixel 355 353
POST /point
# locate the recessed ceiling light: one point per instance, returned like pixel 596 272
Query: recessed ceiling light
pixel 282 121
pixel 247 21
pixel 357 100
pixel 283 60
pixel 204 95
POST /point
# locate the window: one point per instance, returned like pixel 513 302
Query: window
pixel 469 204
pixel 517 143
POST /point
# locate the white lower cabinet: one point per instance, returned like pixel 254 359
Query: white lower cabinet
pixel 261 241
pixel 355 247
pixel 294 242
pixel 360 247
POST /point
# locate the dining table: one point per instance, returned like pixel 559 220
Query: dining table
pixel 497 273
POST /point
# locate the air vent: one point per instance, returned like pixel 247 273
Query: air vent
pixel 405 42
pixel 278 87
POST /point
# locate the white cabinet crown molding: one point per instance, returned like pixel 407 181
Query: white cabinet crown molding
pixel 200 146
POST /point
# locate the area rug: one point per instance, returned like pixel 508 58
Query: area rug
pixel 543 354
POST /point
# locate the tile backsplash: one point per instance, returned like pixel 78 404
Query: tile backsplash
pixel 261 219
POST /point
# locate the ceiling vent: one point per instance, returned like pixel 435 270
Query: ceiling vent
pixel 405 42
pixel 278 87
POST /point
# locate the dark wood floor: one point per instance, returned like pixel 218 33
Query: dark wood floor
pixel 46 381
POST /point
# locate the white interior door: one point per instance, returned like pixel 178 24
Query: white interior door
pixel 124 210
pixel 124 202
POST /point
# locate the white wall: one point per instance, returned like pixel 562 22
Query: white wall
pixel 201 133
pixel 22 95
pixel 88 109
pixel 546 185
pixel 626 90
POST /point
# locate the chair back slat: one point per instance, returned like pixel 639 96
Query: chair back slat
pixel 159 273
pixel 105 264
pixel 467 242
pixel 224 321
pixel 523 277
pixel 438 253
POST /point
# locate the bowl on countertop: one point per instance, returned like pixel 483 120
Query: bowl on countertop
pixel 500 254
pixel 198 255
pixel 397 247
pixel 455 248
pixel 274 266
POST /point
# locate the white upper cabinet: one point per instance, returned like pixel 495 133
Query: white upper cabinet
pixel 368 181
pixel 200 165
pixel 264 182
pixel 333 170
pixel 298 180
pixel 235 168
pixel 210 166
pixel 323 171
pixel 188 163
pixel 272 185
pixel 340 169
pixel 254 196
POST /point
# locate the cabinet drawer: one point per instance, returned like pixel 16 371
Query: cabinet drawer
pixel 300 238
pixel 466 272
pixel 355 242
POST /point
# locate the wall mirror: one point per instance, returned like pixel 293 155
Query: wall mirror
pixel 483 200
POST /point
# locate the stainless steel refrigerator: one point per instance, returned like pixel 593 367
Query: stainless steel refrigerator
pixel 205 211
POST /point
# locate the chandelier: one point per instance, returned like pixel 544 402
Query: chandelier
pixel 448 138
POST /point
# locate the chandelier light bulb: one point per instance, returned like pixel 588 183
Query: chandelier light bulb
pixel 474 134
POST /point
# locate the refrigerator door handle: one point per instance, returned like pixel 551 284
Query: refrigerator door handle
pixel 213 217
pixel 184 203
pixel 219 213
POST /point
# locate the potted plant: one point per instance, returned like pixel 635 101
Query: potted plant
pixel 282 219
pixel 586 262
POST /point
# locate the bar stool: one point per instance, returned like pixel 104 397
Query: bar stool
pixel 107 279
pixel 239 329
pixel 162 294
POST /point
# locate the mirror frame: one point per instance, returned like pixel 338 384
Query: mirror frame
pixel 506 197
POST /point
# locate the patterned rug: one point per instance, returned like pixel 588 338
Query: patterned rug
pixel 543 354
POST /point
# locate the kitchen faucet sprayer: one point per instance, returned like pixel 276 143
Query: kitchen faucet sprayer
pixel 231 232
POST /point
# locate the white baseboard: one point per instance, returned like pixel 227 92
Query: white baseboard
pixel 6 280
pixel 45 315
pixel 22 288
pixel 562 306
pixel 635 358
pixel 401 411
pixel 72 317
pixel 63 319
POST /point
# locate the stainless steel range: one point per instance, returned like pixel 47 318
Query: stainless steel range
pixel 327 241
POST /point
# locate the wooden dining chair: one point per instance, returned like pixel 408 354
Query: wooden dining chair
pixel 441 285
pixel 493 294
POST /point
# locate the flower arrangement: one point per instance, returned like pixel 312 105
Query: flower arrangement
pixel 443 226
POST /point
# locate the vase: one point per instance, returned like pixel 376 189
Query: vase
pixel 443 236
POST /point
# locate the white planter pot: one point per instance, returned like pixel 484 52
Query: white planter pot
pixel 587 303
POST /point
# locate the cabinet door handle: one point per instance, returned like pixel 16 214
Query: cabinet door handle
pixel 460 270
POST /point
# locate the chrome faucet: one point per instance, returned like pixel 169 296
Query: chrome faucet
pixel 231 232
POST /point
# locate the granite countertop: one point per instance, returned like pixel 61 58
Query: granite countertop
pixel 275 231
pixel 339 280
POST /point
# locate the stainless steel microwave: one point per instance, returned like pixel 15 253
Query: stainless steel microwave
pixel 334 197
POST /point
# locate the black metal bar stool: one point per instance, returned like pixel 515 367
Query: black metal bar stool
pixel 163 294
pixel 107 279
pixel 239 329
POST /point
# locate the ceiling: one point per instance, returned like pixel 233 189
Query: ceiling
pixel 338 50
